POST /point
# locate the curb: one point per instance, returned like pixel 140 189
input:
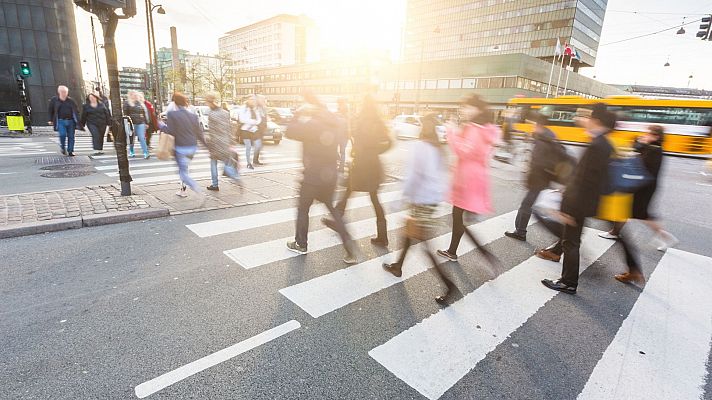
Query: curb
pixel 63 224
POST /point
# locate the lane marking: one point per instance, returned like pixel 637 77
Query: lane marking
pixel 259 254
pixel 237 224
pixel 670 322
pixel 327 293
pixel 193 166
pixel 152 162
pixel 156 384
pixel 435 354
pixel 244 171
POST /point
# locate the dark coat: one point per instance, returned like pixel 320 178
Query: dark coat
pixel 54 108
pixel 370 139
pixel 652 156
pixel 540 168
pixel 183 125
pixel 318 130
pixel 589 180
pixel 98 116
pixel 137 113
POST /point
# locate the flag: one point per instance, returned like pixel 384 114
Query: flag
pixel 569 50
pixel 557 52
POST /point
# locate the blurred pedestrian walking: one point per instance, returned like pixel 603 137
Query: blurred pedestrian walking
pixel 151 121
pixel 343 113
pixel 220 143
pixel 184 126
pixel 97 118
pixel 136 110
pixel 249 125
pixel 370 139
pixel 64 117
pixel 261 108
pixel 317 128
pixel 472 144
pixel 423 188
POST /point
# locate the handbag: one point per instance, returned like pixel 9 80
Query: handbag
pixel 166 147
pixel 627 174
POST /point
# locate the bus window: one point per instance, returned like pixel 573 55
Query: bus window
pixel 559 115
pixel 676 120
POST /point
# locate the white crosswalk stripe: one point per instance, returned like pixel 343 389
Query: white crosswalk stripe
pixel 22 147
pixel 436 353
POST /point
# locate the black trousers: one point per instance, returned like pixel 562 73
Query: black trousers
pixel 97 136
pixel 458 229
pixel 525 211
pixel 325 194
pixel 381 227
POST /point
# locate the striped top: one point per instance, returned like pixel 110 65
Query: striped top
pixel 220 138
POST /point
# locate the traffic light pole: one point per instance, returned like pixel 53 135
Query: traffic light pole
pixel 109 21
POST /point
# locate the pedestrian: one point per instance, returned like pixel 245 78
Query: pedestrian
pixel 249 126
pixel 548 156
pixel 152 120
pixel 317 128
pixel 184 126
pixel 423 188
pixel 343 113
pixel 581 197
pixel 97 119
pixel 261 108
pixel 136 110
pixel 370 139
pixel 472 144
pixel 64 117
pixel 220 143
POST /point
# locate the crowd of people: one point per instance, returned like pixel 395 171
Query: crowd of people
pixel 326 135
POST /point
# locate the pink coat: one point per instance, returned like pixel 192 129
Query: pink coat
pixel 470 180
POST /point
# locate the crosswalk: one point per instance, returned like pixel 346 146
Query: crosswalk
pixel 660 350
pixel 14 147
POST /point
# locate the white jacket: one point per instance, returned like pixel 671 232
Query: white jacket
pixel 248 123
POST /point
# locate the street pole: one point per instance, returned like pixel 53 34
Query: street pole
pixel 158 74
pixel 151 62
pixel 109 21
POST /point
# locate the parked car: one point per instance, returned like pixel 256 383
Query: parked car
pixel 409 126
pixel 274 132
pixel 280 115
pixel 202 112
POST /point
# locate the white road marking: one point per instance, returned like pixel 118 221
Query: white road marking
pixel 327 293
pixel 31 153
pixel 244 171
pixel 156 384
pixel 193 166
pixel 237 224
pixel 661 349
pixel 436 353
pixel 259 254
pixel 152 163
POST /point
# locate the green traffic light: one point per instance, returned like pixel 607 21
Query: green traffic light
pixel 25 69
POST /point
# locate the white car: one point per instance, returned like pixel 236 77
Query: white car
pixel 409 126
pixel 202 112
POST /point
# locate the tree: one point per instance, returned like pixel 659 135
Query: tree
pixel 220 76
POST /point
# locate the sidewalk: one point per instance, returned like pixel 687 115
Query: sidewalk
pixel 32 213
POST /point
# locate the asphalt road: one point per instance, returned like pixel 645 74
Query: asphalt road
pixel 102 312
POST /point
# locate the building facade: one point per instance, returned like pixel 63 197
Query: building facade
pixel 278 41
pixel 133 79
pixel 42 33
pixel 453 29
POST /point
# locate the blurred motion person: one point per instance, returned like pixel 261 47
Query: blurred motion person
pixel 152 119
pixel 261 108
pixel 343 113
pixel 136 110
pixel 64 117
pixel 250 124
pixel 97 119
pixel 220 143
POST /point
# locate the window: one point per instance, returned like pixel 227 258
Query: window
pixel 701 117
pixel 496 83
pixel 455 83
pixel 469 83
pixel 442 84
pixel 483 83
pixel 559 115
pixel 431 84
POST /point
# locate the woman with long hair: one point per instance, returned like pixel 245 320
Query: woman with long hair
pixel 472 144
pixel 96 118
pixel 370 138
pixel 136 110
pixel 220 143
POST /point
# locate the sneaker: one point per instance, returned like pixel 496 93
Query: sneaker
pixel 350 259
pixel 71 154
pixel 63 151
pixel 214 188
pixel 146 156
pixel 132 154
pixel 608 235
pixel 447 254
pixel 295 247
pixel 516 235
pixel 181 193
pixel 666 244
pixel 249 166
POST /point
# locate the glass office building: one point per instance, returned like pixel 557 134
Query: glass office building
pixel 453 29
pixel 44 34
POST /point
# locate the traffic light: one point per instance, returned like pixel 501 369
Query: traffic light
pixel 25 69
pixel 704 32
pixel 22 89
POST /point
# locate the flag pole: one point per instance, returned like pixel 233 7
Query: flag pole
pixel 566 84
pixel 558 81
pixel 551 74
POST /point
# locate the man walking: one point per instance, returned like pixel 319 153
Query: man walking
pixel 547 155
pixel 581 198
pixel 318 130
pixel 64 117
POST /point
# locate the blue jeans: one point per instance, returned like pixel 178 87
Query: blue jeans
pixel 66 128
pixel 248 148
pixel 140 132
pixel 229 169
pixel 184 154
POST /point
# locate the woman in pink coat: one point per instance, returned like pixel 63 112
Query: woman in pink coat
pixel 472 144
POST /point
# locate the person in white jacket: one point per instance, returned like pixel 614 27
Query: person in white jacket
pixel 424 188
pixel 250 119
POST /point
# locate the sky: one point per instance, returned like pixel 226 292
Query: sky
pixel 378 23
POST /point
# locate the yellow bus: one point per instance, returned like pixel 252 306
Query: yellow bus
pixel 687 123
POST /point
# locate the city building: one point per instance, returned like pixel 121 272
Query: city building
pixel 42 33
pixel 167 77
pixel 198 74
pixel 661 92
pixel 443 83
pixel 131 78
pixel 454 29
pixel 278 41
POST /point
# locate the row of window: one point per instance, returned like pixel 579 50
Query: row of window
pixel 304 75
pixel 563 115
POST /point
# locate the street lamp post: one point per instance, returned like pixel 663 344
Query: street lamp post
pixel 153 52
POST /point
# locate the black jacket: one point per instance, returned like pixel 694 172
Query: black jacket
pixel 652 156
pixel 54 108
pixel 544 155
pixel 98 116
pixel 589 180
pixel 318 130
pixel 137 113
pixel 370 138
